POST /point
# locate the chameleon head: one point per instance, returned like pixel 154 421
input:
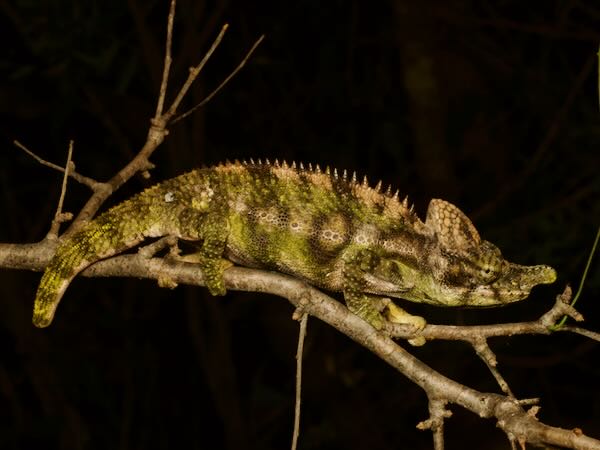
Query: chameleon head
pixel 456 267
pixel 478 278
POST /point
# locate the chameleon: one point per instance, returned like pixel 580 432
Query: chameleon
pixel 324 227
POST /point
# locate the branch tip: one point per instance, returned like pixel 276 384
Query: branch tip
pixel 222 84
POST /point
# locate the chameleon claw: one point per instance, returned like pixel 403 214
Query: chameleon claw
pixel 395 314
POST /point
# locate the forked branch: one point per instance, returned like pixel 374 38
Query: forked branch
pixel 158 129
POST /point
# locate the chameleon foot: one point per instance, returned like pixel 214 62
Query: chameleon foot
pixel 395 314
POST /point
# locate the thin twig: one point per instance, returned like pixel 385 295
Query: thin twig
pixel 437 414
pixel 223 83
pixel 167 65
pixel 156 135
pixel 486 354
pixel 299 352
pixel 588 264
pixel 194 71
pixel 582 331
pixel 59 217
pixel 89 182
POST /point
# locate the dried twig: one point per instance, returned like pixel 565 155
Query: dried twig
pixel 299 353
pixel 59 216
pixel 588 264
pixel 223 83
pixel 194 72
pixel 167 64
pixel 486 354
pixel 89 182
pixel 157 131
pixel 437 414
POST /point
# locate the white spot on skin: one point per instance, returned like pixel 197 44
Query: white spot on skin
pixel 239 206
pixel 205 195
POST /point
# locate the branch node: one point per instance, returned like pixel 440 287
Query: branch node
pixel 534 410
pixel 562 307
pixel 437 414
pixel 299 312
pixel 165 281
pixel 90 183
pixel 64 217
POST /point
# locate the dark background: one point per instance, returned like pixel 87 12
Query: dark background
pixel 490 105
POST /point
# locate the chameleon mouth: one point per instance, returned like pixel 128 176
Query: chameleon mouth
pixel 488 296
pixel 380 286
pixel 515 284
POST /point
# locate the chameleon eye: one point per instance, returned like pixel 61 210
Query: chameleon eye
pixel 489 273
pixel 490 264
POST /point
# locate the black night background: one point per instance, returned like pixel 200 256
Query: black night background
pixel 490 105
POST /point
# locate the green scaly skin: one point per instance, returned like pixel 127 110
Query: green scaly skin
pixel 332 231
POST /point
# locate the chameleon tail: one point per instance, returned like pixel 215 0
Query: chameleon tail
pixel 178 207
pixel 105 236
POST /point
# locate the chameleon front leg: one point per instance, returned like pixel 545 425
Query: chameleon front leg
pixel 357 265
pixel 354 285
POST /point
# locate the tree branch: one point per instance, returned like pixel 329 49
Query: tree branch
pixel 507 411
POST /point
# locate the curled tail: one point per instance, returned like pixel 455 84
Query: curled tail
pixel 118 229
pixel 93 243
pixel 177 207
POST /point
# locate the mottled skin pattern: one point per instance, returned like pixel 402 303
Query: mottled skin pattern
pixel 328 229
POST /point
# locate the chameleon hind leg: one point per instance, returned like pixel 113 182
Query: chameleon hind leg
pixel 213 231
